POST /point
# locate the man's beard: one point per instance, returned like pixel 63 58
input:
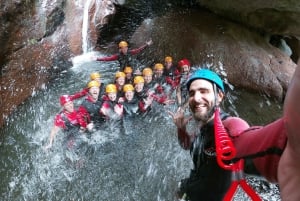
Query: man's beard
pixel 204 118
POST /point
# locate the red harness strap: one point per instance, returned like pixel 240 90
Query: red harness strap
pixel 225 152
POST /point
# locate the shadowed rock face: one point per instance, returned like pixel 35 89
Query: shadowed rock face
pixel 38 40
pixel 274 17
pixel 248 59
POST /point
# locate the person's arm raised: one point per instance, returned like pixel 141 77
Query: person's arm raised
pixel 138 50
pixel 53 133
pixel 109 58
pixel 184 138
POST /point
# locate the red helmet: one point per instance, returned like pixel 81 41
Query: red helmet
pixel 184 62
pixel 64 99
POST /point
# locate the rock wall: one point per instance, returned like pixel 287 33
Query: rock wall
pixel 38 40
pixel 246 57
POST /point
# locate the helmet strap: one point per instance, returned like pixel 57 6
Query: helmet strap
pixel 211 112
pixel 216 97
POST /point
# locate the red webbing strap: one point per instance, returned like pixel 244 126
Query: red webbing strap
pixel 224 147
pixel 239 179
pixel 226 151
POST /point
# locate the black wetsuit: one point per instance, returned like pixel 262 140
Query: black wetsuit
pixel 207 181
pixel 131 107
pixel 126 60
pixel 93 108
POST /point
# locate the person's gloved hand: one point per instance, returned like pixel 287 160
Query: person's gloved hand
pixel 149 42
pixel 119 109
pixel 90 127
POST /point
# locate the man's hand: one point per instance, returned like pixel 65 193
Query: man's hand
pixel 179 119
pixel 148 101
pixel 149 42
pixel 90 127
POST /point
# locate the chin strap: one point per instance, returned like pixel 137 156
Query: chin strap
pixel 226 151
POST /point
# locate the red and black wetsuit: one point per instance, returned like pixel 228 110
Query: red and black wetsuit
pixel 70 123
pixel 172 76
pixel 141 95
pixel 149 86
pixel 90 111
pixel 128 81
pixel 124 59
pixel 120 92
pixel 132 107
pixel 110 105
pixel 85 92
pixel 159 96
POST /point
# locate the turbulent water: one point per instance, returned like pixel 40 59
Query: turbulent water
pixel 135 159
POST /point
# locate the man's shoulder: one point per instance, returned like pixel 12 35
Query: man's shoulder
pixel 235 125
pixel 234 120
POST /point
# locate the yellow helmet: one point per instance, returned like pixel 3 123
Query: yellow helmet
pixel 95 75
pixel 147 71
pixel 168 59
pixel 93 83
pixel 159 66
pixel 138 79
pixel 120 74
pixel 123 44
pixel 111 88
pixel 128 87
pixel 128 69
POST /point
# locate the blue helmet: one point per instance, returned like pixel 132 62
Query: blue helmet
pixel 207 75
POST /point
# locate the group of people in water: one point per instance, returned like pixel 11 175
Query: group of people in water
pixel 132 91
pixel 271 151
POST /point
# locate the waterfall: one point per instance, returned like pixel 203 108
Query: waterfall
pixel 85 27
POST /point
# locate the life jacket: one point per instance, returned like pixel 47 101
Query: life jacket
pixel 149 86
pixel 129 81
pixel 126 60
pixel 207 181
pixel 72 139
pixel 120 92
pixel 132 107
pixel 93 108
pixel 160 80
pixel 112 115
pixel 170 72
pixel 102 91
pixel 70 128
pixel 203 147
pixel 141 95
